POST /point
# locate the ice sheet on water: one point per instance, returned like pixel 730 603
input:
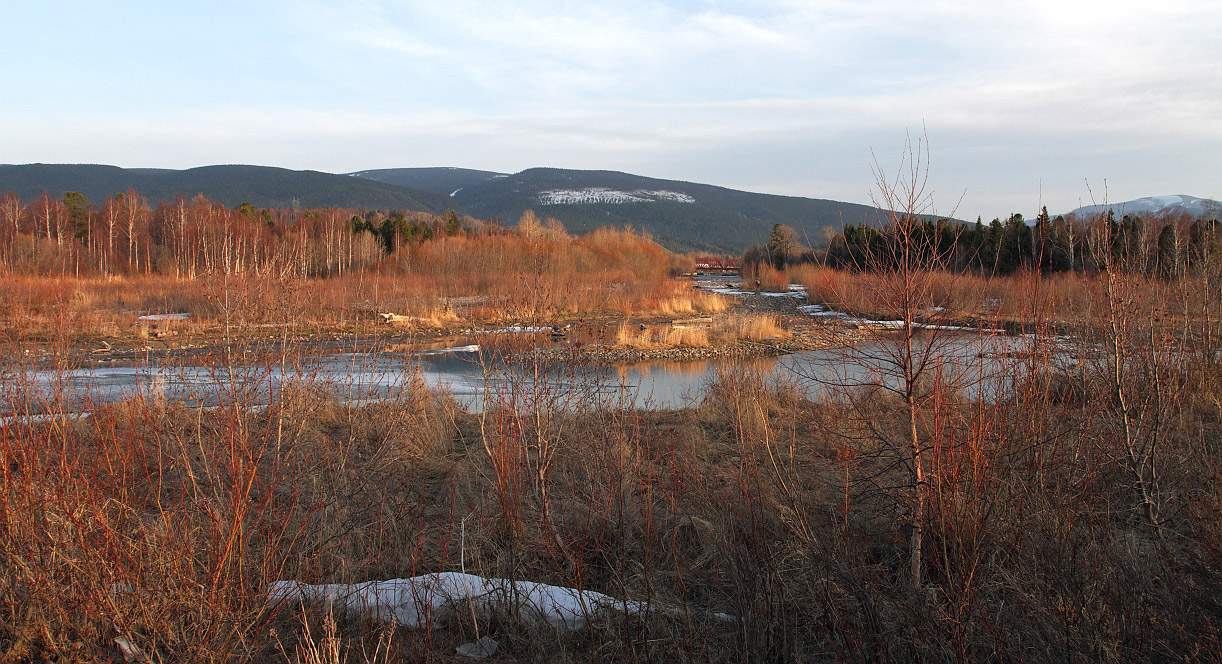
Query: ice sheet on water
pixel 516 329
pixel 821 311
pixel 736 291
pixel 471 348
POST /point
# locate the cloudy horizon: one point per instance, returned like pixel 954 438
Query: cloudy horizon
pixel 1023 104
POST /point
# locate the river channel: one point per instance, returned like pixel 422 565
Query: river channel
pixel 977 365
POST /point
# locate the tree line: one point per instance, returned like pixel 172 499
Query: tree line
pixel 1164 244
pixel 188 237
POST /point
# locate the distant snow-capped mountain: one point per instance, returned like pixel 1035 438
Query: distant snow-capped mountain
pixel 1197 207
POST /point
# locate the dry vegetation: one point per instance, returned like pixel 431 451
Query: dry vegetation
pixel 643 337
pixel 720 330
pixel 1064 301
pixel 1070 512
pixel 163 525
pixel 766 277
pixel 445 283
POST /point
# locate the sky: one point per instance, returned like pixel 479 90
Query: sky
pixel 1052 102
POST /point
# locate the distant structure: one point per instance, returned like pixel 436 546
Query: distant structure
pixel 714 265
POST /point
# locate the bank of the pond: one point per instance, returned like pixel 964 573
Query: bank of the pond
pixel 814 337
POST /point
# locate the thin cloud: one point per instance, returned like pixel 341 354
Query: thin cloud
pixel 784 96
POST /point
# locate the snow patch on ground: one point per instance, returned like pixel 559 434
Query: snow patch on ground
pixel 417 601
pixel 157 317
pixel 596 195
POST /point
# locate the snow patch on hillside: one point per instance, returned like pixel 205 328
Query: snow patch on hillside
pixel 664 195
pixel 596 195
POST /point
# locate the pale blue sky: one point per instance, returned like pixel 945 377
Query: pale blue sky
pixel 1022 101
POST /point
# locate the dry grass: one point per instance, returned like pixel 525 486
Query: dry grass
pixel 163 524
pixel 166 522
pixel 436 317
pixel 726 329
pixel 666 336
pixel 770 279
pixel 1061 298
pixel 824 285
pixel 685 300
pixel 440 284
pixel 752 327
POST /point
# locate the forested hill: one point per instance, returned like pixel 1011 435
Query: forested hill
pixel 682 216
pixel 448 181
pixel 262 186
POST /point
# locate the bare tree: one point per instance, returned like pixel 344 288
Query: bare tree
pixel 136 215
pixel 911 351
pixel 1131 370
pixel 11 210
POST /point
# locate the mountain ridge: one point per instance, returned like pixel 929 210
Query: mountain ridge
pixel 230 184
pixel 437 179
pixel 1156 205
pixel 681 215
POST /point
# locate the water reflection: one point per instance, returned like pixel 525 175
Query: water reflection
pixel 977 366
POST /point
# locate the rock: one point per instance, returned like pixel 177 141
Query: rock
pixel 484 647
pixel 130 651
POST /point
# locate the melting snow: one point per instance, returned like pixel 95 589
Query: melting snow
pixel 414 602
